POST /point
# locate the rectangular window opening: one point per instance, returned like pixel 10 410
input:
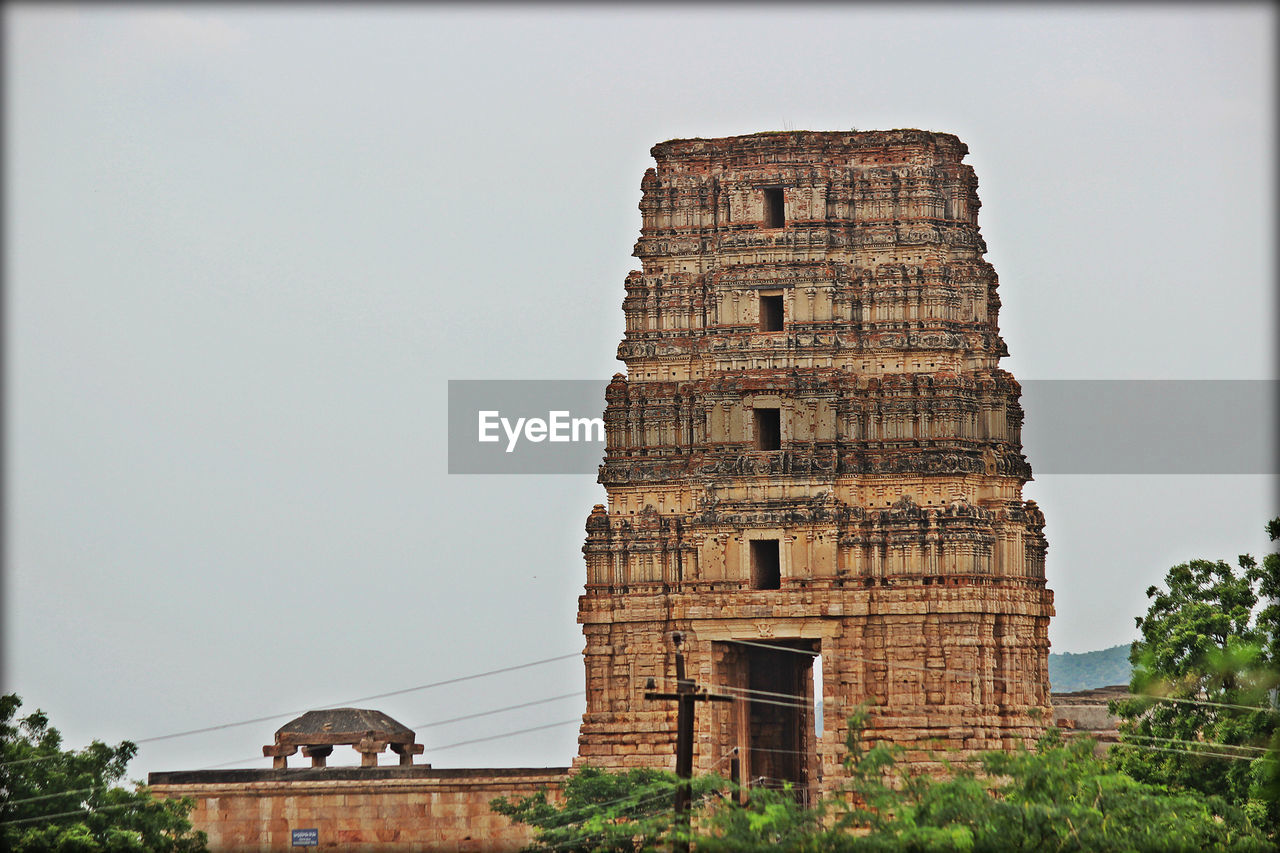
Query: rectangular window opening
pixel 771 313
pixel 774 209
pixel 768 424
pixel 766 566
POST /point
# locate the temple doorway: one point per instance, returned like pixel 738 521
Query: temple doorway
pixel 772 721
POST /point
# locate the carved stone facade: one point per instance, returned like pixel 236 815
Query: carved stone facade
pixel 813 453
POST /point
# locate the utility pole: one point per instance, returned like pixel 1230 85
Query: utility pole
pixel 687 693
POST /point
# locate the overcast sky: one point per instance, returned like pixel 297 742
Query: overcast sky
pixel 248 246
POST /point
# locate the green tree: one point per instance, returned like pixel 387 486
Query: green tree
pixel 1205 674
pixel 1059 797
pixel 599 811
pixel 66 801
pixel 634 811
pixel 771 819
pixel 1266 774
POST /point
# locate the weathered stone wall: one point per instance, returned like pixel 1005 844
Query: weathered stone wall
pixel 812 350
pixel 813 457
pixel 369 809
pixel 1086 713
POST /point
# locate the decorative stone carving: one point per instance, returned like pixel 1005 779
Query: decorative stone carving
pixel 886 532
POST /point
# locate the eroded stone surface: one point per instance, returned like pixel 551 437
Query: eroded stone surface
pixel 905 555
pixel 362 809
pixel 812 353
pixel 318 732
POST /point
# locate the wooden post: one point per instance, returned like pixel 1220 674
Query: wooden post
pixel 687 692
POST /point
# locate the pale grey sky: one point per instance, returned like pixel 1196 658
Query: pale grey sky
pixel 248 246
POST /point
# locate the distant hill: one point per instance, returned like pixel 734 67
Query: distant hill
pixel 1103 668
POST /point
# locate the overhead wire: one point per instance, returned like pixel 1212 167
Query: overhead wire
pixel 80 811
pixel 501 670
pixel 1190 752
pixel 756 780
pixel 755 695
pixel 591 807
pixel 499 710
pixel 888 664
pixel 757 692
pixel 435 748
pixel 729 753
pixel 1258 750
pixel 796 705
pixel 58 794
pixel 581 837
pixel 29 760
pixel 584 810
pixel 746 693
pixel 950 671
pixel 506 734
pixel 1204 702
pixel 447 681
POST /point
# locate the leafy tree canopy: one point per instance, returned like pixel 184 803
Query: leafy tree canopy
pixel 1199 767
pixel 1205 673
pixel 58 801
pixel 634 811
pixel 1059 797
pixel 599 811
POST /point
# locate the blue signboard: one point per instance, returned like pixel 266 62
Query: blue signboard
pixel 306 837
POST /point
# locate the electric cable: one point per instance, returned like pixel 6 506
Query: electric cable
pixel 798 706
pixel 498 710
pixel 1192 752
pixel 59 815
pixel 1207 703
pixel 757 692
pixel 447 681
pixel 352 702
pixel 571 842
pixel 839 653
pixel 51 796
pixel 432 749
pixel 507 734
pixel 737 690
pixel 592 807
pixel 29 760
pixel 948 671
pixel 1256 749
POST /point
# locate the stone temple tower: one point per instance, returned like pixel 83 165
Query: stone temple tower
pixel 813 465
